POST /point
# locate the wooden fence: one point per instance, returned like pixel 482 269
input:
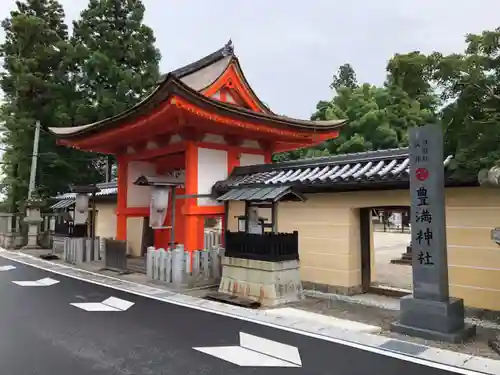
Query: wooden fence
pixel 270 247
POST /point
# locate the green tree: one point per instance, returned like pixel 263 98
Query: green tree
pixel 116 58
pixel 470 84
pixel 34 84
pixel 345 77
pixel 378 117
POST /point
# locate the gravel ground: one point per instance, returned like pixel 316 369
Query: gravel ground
pixel 478 346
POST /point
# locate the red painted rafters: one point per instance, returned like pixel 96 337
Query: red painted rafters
pixel 175 116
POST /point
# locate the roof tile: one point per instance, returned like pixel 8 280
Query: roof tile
pixel 387 166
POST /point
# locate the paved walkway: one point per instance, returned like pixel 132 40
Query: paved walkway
pixel 147 330
pixel 389 246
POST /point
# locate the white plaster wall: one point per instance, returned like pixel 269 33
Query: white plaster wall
pixel 175 139
pixel 106 219
pixel 212 167
pixel 214 138
pixel 151 145
pixel 250 143
pixel 230 98
pixel 134 235
pixel 139 196
pixel 251 159
pixel 216 95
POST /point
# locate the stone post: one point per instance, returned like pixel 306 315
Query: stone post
pixel 430 313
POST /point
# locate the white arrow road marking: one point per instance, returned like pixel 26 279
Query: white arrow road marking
pixel 255 351
pixel 7 268
pixel 42 282
pixel 109 304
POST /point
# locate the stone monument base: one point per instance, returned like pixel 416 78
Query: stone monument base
pixel 433 320
pixel 406 258
pixel 269 283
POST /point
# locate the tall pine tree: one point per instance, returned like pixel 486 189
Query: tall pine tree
pixel 36 87
pixel 117 61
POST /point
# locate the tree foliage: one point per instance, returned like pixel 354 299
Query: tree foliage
pixel 378 117
pixel 117 63
pixel 461 91
pixel 108 64
pixel 34 84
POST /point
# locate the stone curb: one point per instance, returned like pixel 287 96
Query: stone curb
pixel 463 363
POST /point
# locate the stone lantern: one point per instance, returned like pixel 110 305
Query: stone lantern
pixel 33 219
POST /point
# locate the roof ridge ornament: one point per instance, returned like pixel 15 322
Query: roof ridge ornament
pixel 228 49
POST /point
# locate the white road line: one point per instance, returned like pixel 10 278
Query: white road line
pixel 7 268
pixel 94 306
pixel 118 303
pixel 244 357
pixel 372 349
pixel 42 282
pixel 109 304
pixel 272 348
pixel 255 351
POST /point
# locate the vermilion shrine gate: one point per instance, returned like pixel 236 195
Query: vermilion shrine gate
pixel 201 121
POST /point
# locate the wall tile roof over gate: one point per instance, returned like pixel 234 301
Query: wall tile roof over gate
pixel 387 167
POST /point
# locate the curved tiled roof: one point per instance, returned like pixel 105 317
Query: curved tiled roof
pixel 373 167
pixel 174 86
pixel 106 189
pixel 190 81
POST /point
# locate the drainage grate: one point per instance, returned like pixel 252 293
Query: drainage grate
pixel 403 347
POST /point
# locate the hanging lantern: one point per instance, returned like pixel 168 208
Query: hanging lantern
pixel 82 203
pixel 159 198
pixel 158 206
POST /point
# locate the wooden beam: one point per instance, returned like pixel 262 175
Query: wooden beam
pixel 162 140
pixel 140 146
pixel 233 140
pixel 265 144
pixel 190 133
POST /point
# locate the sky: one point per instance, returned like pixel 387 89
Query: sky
pixel 289 49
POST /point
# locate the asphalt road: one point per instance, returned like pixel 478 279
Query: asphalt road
pixel 41 333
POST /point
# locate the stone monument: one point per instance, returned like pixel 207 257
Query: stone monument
pixel 430 312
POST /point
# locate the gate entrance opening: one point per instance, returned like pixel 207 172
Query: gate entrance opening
pixel 386 249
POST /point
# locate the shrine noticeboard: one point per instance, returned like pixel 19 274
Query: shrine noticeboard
pixel 428 221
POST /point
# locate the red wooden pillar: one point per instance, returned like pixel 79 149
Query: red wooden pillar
pixel 193 222
pixel 121 206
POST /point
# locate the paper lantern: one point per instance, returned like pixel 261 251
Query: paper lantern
pixel 158 206
pixel 82 203
pixel 159 198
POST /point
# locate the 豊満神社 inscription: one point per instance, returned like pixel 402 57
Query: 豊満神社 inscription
pixel 430 312
pixel 430 270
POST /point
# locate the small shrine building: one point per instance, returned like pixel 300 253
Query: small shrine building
pixel 201 121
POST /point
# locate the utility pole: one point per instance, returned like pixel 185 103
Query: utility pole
pixel 33 217
pixel 34 160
